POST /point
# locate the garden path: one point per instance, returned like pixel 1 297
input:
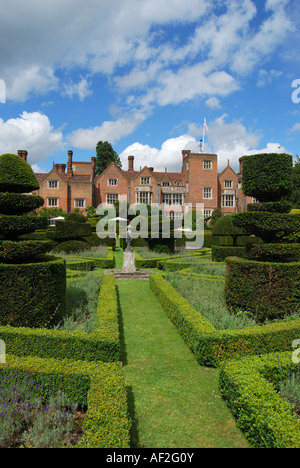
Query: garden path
pixel 174 402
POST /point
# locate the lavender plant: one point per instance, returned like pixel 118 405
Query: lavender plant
pixel 289 387
pixel 29 419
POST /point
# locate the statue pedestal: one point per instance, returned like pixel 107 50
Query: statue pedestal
pixel 128 262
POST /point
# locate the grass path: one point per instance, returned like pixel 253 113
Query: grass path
pixel 175 403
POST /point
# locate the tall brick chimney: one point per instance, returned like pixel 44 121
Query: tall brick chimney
pixel 93 167
pixel 23 154
pixel 61 168
pixel 70 163
pixel 130 163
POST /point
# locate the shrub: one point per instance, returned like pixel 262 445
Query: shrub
pixel 29 418
pixel 267 225
pixel 97 387
pixel 275 252
pixel 75 217
pixel 65 230
pixel 16 175
pixel 267 290
pixel 33 294
pixel 265 418
pixel 23 250
pixel 219 252
pixel 16 203
pixel 267 177
pixel 13 226
pixel 271 207
pixel 71 246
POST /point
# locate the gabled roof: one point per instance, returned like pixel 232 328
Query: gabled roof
pixel 107 169
pixel 64 176
pixel 228 167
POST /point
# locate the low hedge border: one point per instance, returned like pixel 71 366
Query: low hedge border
pixel 102 345
pixel 100 387
pixel 212 346
pixel 265 418
pixel 153 262
pixel 90 263
pixel 174 265
pixel 190 272
pixel 219 252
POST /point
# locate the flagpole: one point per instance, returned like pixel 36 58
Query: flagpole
pixel 203 138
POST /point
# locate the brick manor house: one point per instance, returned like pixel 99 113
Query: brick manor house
pixel 75 185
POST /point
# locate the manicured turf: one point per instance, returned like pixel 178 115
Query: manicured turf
pixel 174 402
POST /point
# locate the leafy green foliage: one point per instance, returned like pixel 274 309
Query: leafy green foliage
pixel 32 294
pixel 267 177
pixel 16 175
pixel 23 250
pixel 267 290
pixel 69 230
pixel 271 207
pixel 105 155
pixel 13 226
pixel 267 225
pixel 16 204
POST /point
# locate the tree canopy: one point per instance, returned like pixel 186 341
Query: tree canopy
pixel 105 155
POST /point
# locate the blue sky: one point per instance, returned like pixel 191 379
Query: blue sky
pixel 144 75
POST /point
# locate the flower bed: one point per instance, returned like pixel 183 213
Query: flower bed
pixel 97 387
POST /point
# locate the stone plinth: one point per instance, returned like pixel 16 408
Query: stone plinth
pixel 128 262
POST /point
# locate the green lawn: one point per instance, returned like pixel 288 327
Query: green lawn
pixel 174 402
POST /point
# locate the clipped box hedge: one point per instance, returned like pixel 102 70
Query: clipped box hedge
pixel 180 262
pixel 89 263
pixel 102 345
pixel 219 252
pixel 98 387
pixel 266 289
pixel 211 346
pixel 265 418
pixel 168 261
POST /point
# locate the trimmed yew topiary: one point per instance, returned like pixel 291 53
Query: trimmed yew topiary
pixel 267 177
pixel 267 284
pixel 33 285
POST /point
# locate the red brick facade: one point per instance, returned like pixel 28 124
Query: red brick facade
pixel 74 185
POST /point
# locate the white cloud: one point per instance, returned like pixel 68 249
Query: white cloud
pixel 110 131
pixel 169 155
pixel 125 39
pixel 213 103
pixel 229 140
pixel 32 132
pixel 82 89
pixel 265 77
pixel 40 80
pixel 295 128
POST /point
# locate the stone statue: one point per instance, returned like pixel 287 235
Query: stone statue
pixel 128 240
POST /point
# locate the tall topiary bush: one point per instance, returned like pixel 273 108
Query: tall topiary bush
pixel 272 270
pixel 33 285
pixel 70 235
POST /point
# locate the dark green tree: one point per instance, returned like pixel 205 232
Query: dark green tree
pixel 105 155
